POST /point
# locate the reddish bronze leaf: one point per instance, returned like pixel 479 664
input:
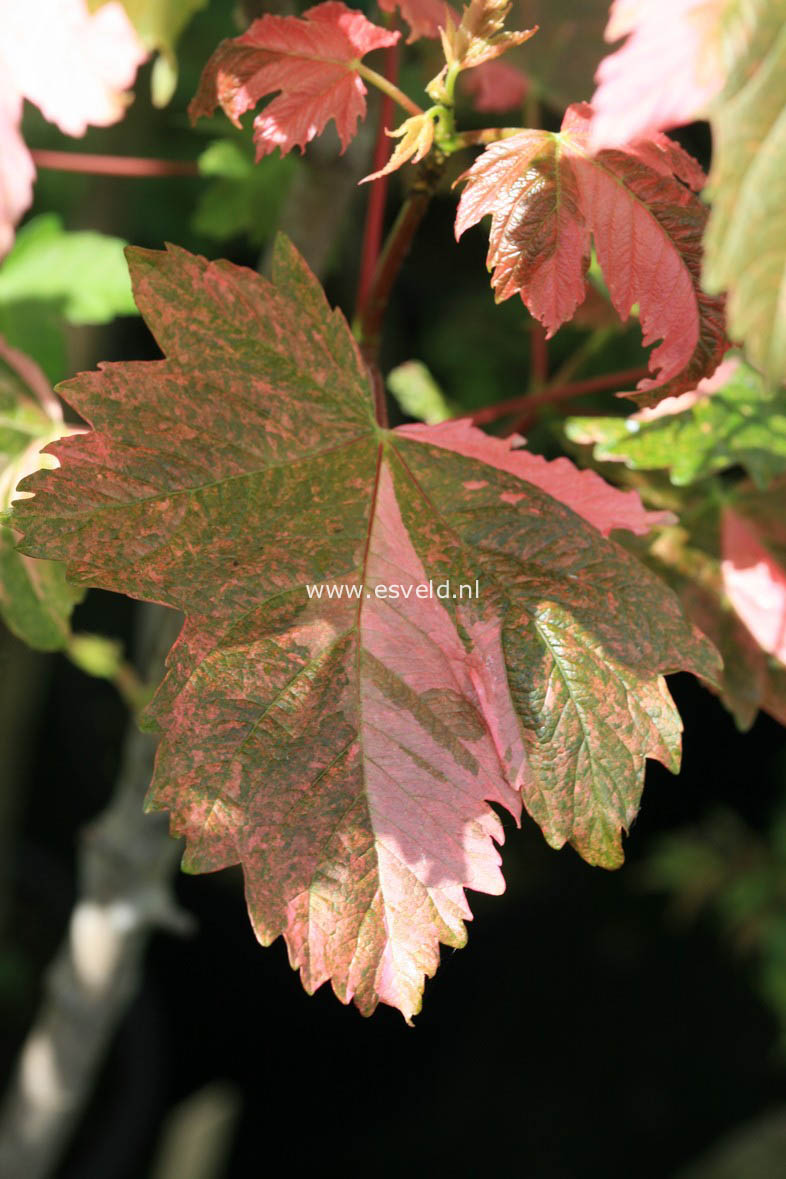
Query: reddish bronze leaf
pixel 311 61
pixel 548 197
pixel 327 721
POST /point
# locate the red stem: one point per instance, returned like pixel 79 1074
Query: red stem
pixel 533 402
pixel 375 209
pixel 97 165
pixel 369 322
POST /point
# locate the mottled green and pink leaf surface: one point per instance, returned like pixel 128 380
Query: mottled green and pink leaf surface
pixel 346 751
pixel 548 198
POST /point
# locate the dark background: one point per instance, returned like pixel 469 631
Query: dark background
pixel 581 1033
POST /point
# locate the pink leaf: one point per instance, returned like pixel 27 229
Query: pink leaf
pixel 75 65
pixel 754 578
pixel 309 60
pixel 17 171
pixel 424 17
pixel 664 75
pixel 585 492
pixel 496 86
pixel 547 197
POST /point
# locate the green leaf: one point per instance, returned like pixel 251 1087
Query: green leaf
pixel 83 274
pixel 244 197
pixel 743 423
pixel 35 599
pixel 418 393
pixel 746 236
pixel 344 747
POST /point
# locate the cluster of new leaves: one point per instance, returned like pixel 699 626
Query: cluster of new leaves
pixel 344 747
pixel 548 196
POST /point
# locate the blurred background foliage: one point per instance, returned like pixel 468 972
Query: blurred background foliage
pixel 598 1024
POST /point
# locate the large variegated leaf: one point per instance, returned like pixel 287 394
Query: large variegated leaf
pixel 328 722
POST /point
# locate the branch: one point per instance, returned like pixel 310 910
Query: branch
pixel 126 860
pixel 375 209
pixel 97 165
pixel 531 403
pixel 368 322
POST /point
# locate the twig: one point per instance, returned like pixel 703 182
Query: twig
pixel 126 860
pixel 532 403
pixel 375 209
pixel 388 87
pixel 368 323
pixel 98 165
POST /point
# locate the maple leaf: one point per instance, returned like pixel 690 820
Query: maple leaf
pixel 496 86
pixel 697 434
pixel 753 565
pixel 424 17
pixel 345 749
pixel 35 599
pixel 548 197
pixel 665 74
pixel 311 61
pixel 724 60
pixel 751 679
pixel 746 236
pixel 74 65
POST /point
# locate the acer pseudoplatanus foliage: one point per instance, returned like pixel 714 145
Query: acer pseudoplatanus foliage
pixel 345 745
